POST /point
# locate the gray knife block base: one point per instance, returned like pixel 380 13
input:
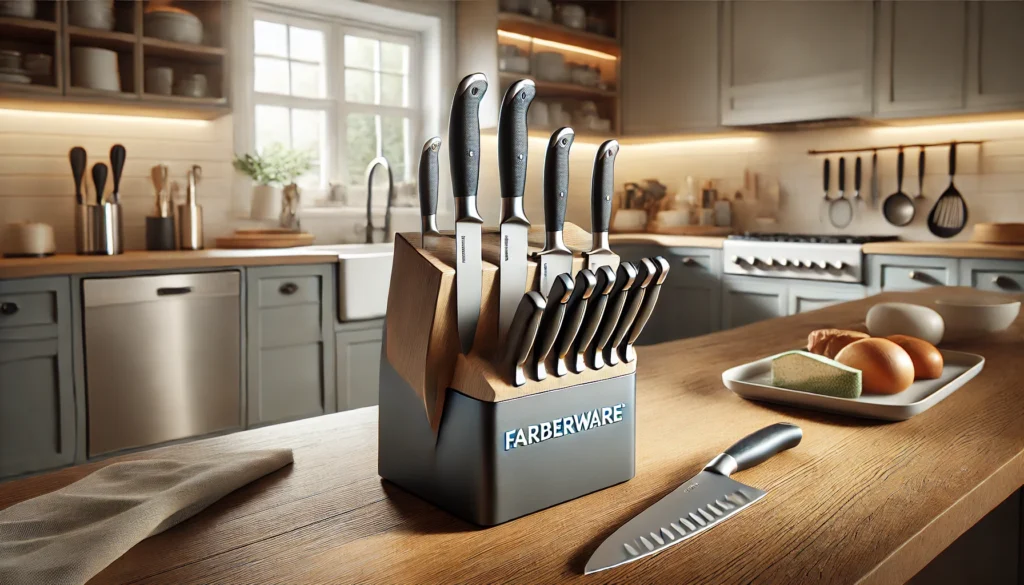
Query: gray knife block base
pixel 468 471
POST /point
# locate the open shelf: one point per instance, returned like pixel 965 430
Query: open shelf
pixel 548 89
pixel 28 88
pixel 188 52
pixel 185 100
pixel 106 39
pixel 552 31
pixel 24 28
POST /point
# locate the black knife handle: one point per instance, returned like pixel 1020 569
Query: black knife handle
pixel 899 171
pixel 523 332
pixel 952 159
pixel 117 156
pixel 595 308
pixel 920 168
pixel 842 174
pixel 556 178
pixel 856 175
pixel 576 308
pixel 551 320
pixel 77 158
pixel 828 175
pixel 428 177
pixel 99 179
pixel 650 299
pixel 756 448
pixel 602 186
pixel 464 135
pixel 644 276
pixel 624 279
pixel 513 140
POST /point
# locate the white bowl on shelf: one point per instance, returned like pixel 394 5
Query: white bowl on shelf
pixel 550 66
pixel 194 86
pixel 159 80
pixel 173 24
pixel 95 14
pixel 95 68
pixel 572 16
pixel 18 8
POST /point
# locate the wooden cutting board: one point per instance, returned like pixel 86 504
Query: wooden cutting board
pixel 266 238
pixel 998 233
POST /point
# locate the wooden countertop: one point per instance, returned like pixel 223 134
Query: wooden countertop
pixel 948 249
pixel 666 240
pixel 173 260
pixel 856 502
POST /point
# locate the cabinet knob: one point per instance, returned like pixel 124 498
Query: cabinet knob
pixel 288 288
pixel 1006 283
pixel 8 308
pixel 922 277
pixel 687 261
pixel 838 265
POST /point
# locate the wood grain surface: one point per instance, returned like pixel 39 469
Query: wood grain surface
pixel 948 249
pixel 857 501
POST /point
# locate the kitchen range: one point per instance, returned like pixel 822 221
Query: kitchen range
pixel 830 258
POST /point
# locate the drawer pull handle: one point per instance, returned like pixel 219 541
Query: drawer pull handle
pixel 1006 283
pixel 922 277
pixel 8 308
pixel 690 262
pixel 170 291
pixel 288 288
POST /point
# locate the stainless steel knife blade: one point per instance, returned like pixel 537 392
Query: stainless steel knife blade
pixel 650 300
pixel 698 504
pixel 625 276
pixel 427 184
pixel 464 152
pixel 550 323
pixel 595 309
pixel 601 190
pixel 513 142
pixel 522 334
pixel 555 258
pixel 575 309
pixel 644 276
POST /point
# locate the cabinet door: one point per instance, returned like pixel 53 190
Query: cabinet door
pixel 993 275
pixel 358 366
pixel 922 57
pixel 749 300
pixel 888 273
pixel 995 52
pixel 669 86
pixel 811 297
pixel 794 61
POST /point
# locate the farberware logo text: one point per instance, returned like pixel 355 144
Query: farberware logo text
pixel 561 427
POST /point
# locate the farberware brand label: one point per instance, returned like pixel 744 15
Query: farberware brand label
pixel 560 427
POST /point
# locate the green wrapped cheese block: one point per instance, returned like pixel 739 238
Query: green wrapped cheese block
pixel 800 370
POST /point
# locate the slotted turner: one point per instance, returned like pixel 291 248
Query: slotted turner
pixel 949 215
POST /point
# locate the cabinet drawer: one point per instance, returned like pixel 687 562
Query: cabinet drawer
pixel 290 383
pixel 284 326
pixel 21 309
pixel 287 291
pixel 993 275
pixel 692 267
pixel 912 278
pixel 889 273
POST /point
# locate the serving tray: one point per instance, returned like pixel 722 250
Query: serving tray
pixel 753 382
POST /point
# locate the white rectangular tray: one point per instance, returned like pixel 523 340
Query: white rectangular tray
pixel 753 382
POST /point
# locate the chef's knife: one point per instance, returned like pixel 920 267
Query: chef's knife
pixel 650 300
pixel 464 152
pixel 644 275
pixel 550 323
pixel 428 192
pixel 555 258
pixel 117 156
pixel 522 334
pixel 700 503
pixel 513 143
pixel 77 159
pixel 602 188
pixel 624 279
pixel 575 309
pixel 99 179
pixel 595 309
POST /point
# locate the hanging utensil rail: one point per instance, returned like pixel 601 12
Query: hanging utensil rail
pixel 894 147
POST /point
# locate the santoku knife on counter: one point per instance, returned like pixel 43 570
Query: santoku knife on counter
pixel 550 323
pixel 522 334
pixel 624 279
pixel 575 309
pixel 428 192
pixel 513 143
pixel 601 190
pixel 464 152
pixel 555 258
pixel 700 503
pixel 650 300
pixel 644 275
pixel 595 309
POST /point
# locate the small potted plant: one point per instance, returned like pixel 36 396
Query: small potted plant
pixel 270 171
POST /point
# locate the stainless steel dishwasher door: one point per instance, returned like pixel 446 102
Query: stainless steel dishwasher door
pixel 162 358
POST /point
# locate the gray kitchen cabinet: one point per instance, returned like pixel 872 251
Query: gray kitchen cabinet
pixel 993 275
pixel 747 300
pixel 290 342
pixel 995 49
pixel 890 272
pixel 669 89
pixel 357 363
pixel 37 402
pixel 811 296
pixel 795 61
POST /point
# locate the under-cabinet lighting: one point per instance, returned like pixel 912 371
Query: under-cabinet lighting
pixel 556 45
pixel 102 117
pixel 702 142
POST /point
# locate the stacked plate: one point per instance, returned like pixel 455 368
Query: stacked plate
pixel 10 68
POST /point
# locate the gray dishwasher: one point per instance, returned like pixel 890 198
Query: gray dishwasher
pixel 162 358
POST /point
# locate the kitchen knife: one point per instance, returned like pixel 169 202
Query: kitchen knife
pixel 698 504
pixel 78 163
pixel 602 187
pixel 874 178
pixel 512 153
pixel 555 258
pixel 624 279
pixel 644 275
pixel 428 192
pixel 595 309
pixel 575 309
pixel 550 323
pixel 99 179
pixel 464 155
pixel 650 300
pixel 522 334
pixel 117 156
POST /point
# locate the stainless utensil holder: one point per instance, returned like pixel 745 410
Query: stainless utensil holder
pixel 99 229
pixel 190 227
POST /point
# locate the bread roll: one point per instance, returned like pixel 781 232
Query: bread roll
pixel 926 357
pixel 886 368
pixel 829 342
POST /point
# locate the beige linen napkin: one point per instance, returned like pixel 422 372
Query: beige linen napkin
pixel 67 536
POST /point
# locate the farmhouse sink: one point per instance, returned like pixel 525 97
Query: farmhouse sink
pixel 364 275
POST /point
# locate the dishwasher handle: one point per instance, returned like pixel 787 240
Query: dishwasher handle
pixel 167 291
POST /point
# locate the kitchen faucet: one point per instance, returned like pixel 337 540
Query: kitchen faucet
pixel 382 162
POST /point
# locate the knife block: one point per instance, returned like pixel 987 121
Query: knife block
pixel 454 431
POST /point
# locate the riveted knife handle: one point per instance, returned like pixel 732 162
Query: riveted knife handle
pixel 556 178
pixel 602 186
pixel 428 177
pixel 464 135
pixel 756 448
pixel 513 140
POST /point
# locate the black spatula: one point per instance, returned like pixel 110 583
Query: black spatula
pixel 949 216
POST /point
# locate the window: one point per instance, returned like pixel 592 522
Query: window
pixel 342 93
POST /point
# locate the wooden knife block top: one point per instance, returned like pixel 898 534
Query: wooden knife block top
pixel 422 332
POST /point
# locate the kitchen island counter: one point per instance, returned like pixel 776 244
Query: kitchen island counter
pixel 856 502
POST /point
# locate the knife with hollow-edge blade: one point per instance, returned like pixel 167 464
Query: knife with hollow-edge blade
pixel 555 258
pixel 595 309
pixel 602 187
pixel 698 504
pixel 575 309
pixel 428 192
pixel 550 323
pixel 522 334
pixel 644 275
pixel 624 279
pixel 513 143
pixel 661 268
pixel 464 152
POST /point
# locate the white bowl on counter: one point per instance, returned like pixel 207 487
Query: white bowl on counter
pixel 95 68
pixel 173 24
pixel 976 314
